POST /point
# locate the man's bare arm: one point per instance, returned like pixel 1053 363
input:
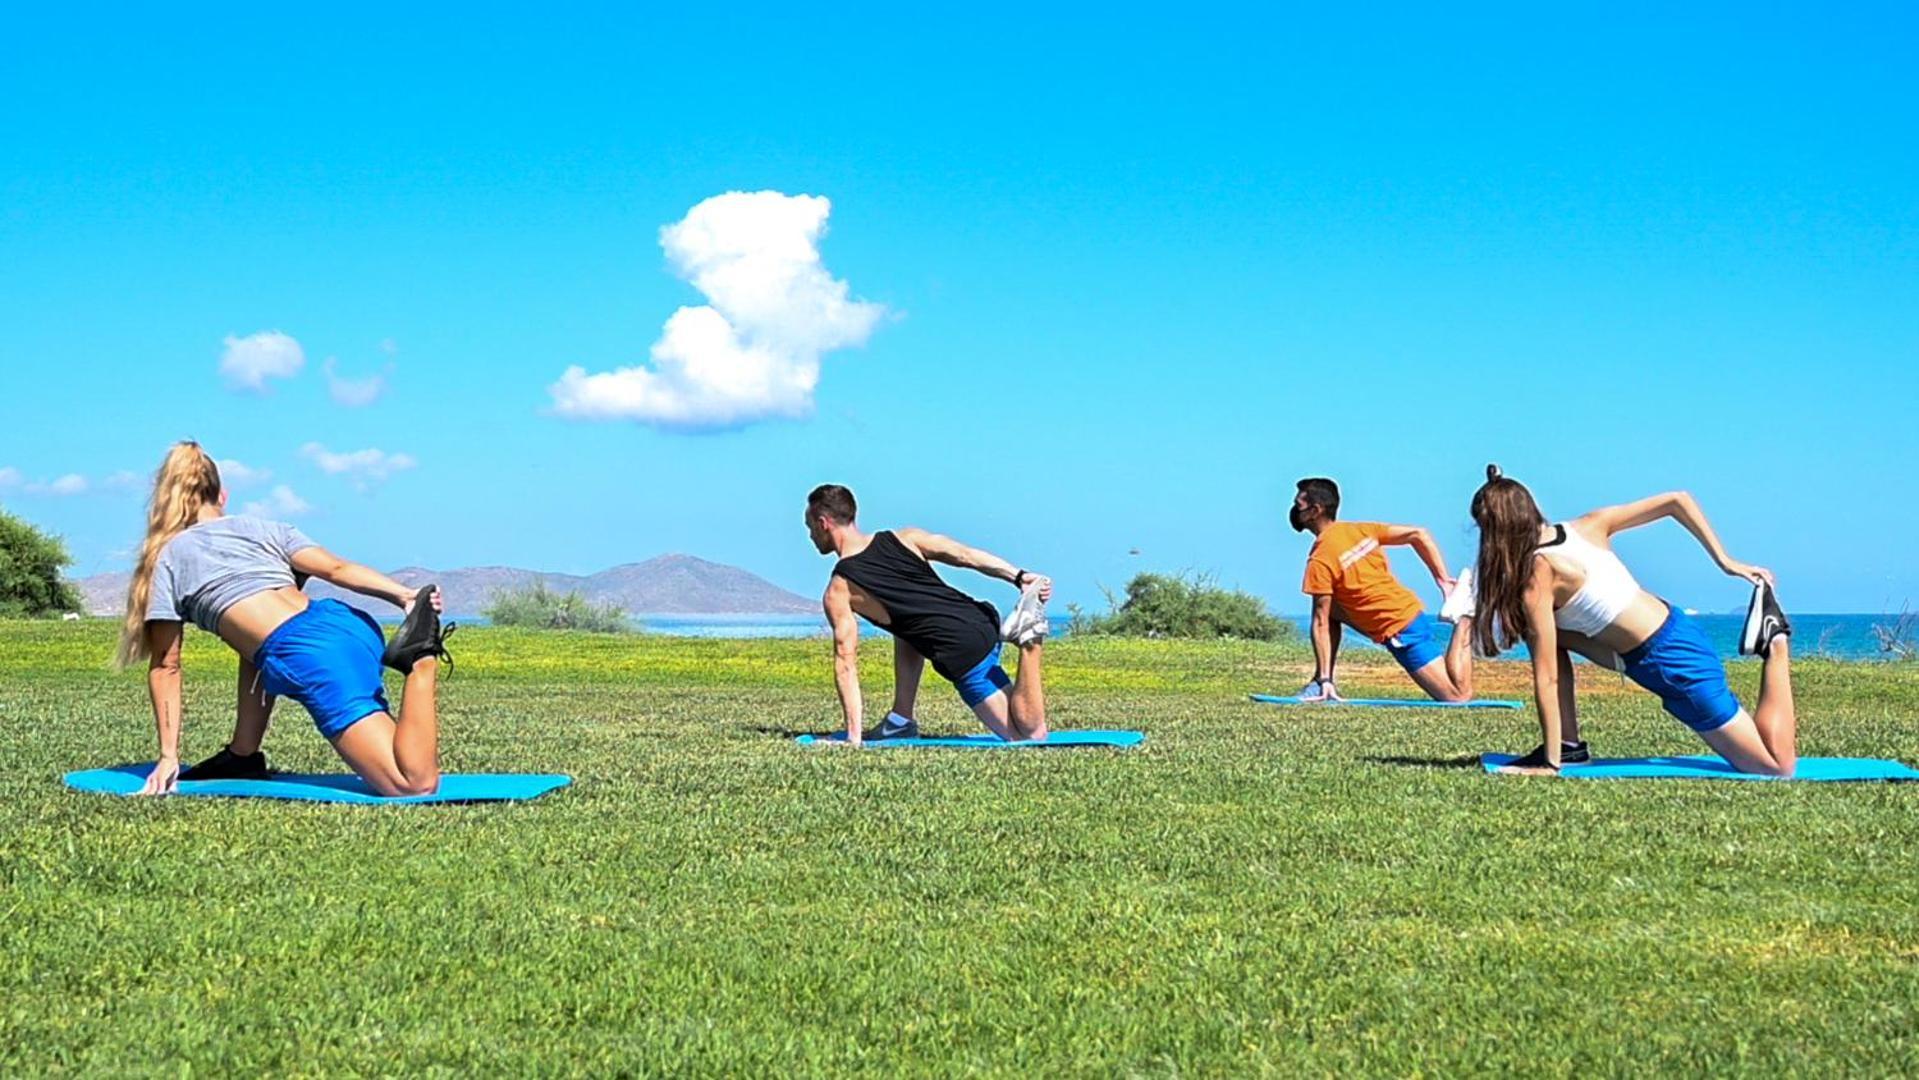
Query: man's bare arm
pixel 1421 540
pixel 933 547
pixel 838 603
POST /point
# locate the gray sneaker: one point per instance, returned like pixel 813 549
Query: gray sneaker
pixel 896 728
pixel 1027 621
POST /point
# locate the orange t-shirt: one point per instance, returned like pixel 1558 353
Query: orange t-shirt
pixel 1348 564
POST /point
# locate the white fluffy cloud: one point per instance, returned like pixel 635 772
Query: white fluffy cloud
pixel 752 352
pixel 9 478
pixel 234 473
pixel 281 502
pixel 248 362
pixel 353 393
pixel 364 467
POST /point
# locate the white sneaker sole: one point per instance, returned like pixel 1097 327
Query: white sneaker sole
pixel 1755 622
pixel 1463 601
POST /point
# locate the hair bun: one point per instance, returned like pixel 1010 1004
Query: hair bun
pixel 1493 473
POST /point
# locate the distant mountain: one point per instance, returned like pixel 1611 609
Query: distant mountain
pixel 667 585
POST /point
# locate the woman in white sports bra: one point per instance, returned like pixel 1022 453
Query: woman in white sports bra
pixel 1561 589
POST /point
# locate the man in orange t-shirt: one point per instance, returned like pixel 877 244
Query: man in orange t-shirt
pixel 1352 584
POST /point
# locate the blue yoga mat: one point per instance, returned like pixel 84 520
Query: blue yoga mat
pixel 325 787
pixel 1707 767
pixel 1058 740
pixel 1394 703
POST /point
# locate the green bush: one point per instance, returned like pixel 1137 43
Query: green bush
pixel 1183 606
pixel 30 565
pixel 543 609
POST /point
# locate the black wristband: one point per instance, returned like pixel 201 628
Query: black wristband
pixel 1019 579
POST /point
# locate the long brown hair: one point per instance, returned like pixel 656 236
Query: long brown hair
pixel 188 480
pixel 1509 522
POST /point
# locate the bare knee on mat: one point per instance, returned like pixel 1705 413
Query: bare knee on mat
pixel 399 787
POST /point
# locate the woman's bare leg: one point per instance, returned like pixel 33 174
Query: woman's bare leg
pixel 253 712
pixel 1767 741
pixel 1775 716
pixel 1568 700
pixel 400 758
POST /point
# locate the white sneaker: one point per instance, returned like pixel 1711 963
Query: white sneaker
pixel 1463 601
pixel 1026 623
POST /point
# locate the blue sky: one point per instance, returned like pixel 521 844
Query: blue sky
pixel 1140 271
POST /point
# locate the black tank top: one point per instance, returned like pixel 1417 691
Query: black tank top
pixel 951 629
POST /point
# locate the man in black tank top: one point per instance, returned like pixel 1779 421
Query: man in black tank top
pixel 887 578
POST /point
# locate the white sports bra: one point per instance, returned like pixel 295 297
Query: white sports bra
pixel 1609 588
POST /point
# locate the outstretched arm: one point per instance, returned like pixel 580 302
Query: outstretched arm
pixel 1322 639
pixel 328 567
pixel 846 654
pixel 1422 542
pixel 1681 507
pixel 163 687
pixel 1542 640
pixel 936 548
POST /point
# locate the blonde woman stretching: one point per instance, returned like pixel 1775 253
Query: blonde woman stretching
pixel 239 577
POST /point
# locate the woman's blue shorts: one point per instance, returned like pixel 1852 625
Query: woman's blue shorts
pixel 1679 665
pixel 327 658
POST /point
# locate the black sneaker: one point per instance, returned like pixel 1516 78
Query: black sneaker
pixel 1764 621
pixel 1534 760
pixel 227 765
pixel 419 635
pixel 1577 753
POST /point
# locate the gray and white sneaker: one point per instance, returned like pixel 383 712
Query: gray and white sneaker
pixel 1027 621
pixel 1463 601
pixel 896 726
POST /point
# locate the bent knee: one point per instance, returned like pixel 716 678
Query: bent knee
pixel 401 787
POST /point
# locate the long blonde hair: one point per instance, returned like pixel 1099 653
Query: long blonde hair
pixel 187 481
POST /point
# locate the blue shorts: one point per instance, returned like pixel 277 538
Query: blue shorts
pixel 327 658
pixel 1417 645
pixel 986 679
pixel 1679 665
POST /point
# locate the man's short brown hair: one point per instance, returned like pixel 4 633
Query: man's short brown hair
pixel 833 500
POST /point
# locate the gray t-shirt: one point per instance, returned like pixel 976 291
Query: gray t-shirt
pixel 216 564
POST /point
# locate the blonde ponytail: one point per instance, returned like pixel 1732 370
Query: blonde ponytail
pixel 187 481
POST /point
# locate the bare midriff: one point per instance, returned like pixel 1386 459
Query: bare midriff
pixel 1634 626
pixel 247 624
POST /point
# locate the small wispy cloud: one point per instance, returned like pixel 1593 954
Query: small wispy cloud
pixel 246 363
pixel 70 484
pixel 354 393
pixel 365 468
pixel 235 473
pixel 281 502
pixel 752 352
pixel 67 484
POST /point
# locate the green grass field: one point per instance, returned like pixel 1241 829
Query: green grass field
pixel 1256 890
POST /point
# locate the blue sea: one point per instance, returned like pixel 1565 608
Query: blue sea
pixel 1842 637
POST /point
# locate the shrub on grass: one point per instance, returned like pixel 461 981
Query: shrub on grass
pixel 30 565
pixel 1899 638
pixel 541 608
pixel 1183 606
